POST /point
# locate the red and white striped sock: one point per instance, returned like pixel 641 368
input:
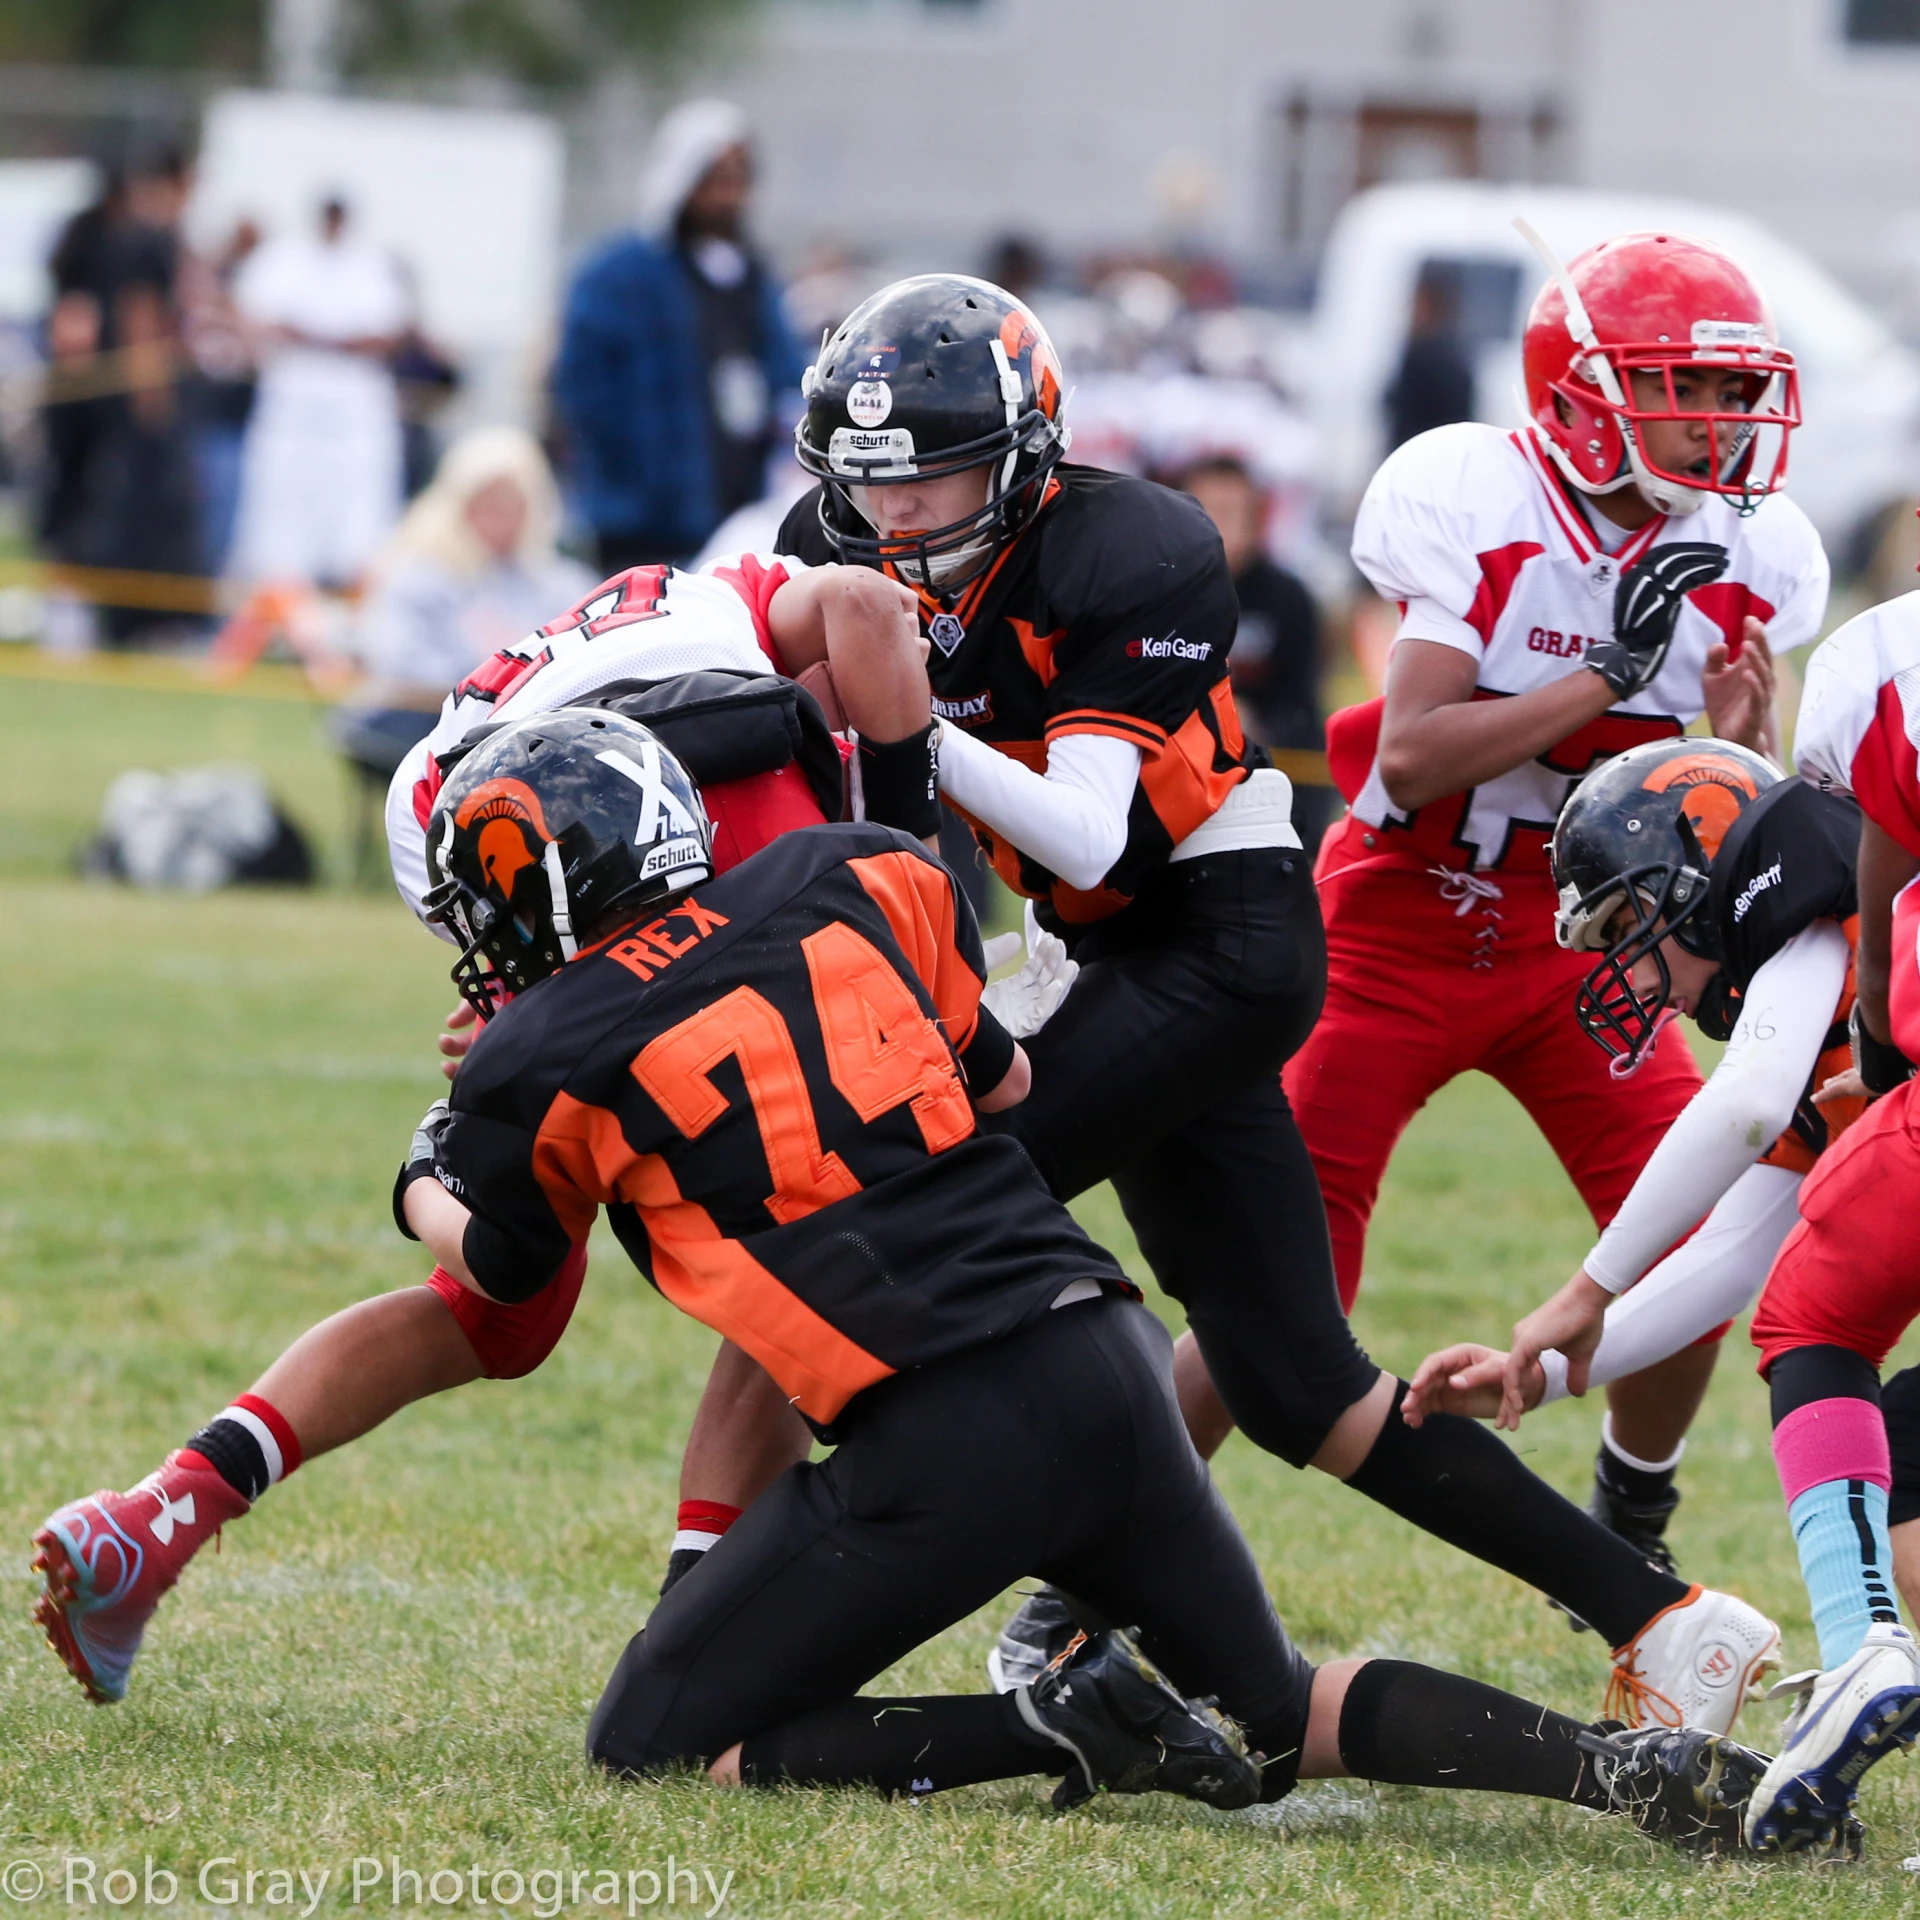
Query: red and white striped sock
pixel 701 1523
pixel 250 1445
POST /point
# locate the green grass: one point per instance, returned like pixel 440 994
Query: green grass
pixel 200 1104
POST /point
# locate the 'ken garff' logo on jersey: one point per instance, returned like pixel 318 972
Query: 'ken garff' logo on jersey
pixel 1173 647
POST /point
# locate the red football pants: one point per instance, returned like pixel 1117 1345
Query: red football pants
pixel 1418 992
pixel 1849 1274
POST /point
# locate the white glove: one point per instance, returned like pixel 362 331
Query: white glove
pixel 1024 1002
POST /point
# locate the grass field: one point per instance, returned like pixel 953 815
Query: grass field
pixel 393 1659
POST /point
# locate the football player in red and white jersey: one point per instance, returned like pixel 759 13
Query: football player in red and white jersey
pixel 1595 579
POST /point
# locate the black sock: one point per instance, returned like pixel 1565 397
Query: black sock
pixel 1465 1485
pixel 900 782
pixel 1638 1486
pixel 235 1455
pixel 1414 1726
pixel 901 1746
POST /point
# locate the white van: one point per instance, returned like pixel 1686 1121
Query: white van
pixel 1856 456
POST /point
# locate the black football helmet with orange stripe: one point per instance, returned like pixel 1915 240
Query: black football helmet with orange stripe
pixel 928 377
pixel 547 832
pixel 1632 854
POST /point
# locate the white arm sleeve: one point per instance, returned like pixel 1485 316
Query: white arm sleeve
pixel 1072 819
pixel 1739 1113
pixel 1711 1278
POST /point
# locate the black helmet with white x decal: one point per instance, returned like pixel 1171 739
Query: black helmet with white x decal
pixel 551 832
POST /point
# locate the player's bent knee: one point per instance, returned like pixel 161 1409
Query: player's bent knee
pixel 642 1726
pixel 510 1341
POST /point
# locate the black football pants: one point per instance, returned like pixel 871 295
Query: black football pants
pixel 1056 1452
pixel 1161 1072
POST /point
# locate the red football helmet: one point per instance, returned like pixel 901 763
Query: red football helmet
pixel 1652 302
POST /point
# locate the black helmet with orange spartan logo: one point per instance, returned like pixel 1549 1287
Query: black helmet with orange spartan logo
pixel 1632 853
pixel 549 833
pixel 925 378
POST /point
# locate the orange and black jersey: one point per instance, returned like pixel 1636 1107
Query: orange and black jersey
pixel 766 1087
pixel 1786 862
pixel 1112 613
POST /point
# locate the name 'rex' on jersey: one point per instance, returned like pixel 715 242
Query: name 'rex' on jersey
pixel 1112 613
pixel 764 1087
pixel 1859 725
pixel 1471 530
pixel 649 623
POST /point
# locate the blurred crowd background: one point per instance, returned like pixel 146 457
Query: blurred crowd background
pixel 370 332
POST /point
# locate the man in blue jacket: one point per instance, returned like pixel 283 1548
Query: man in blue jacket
pixel 673 353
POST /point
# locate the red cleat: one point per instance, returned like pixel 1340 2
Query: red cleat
pixel 110 1559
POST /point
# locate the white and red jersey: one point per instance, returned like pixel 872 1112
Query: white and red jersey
pixel 650 623
pixel 1859 725
pixel 1470 528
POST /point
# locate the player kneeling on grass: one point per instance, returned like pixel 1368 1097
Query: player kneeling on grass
pixel 1720 888
pixel 771 1082
pixel 770 1079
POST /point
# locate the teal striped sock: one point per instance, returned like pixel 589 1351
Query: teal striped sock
pixel 1846 1559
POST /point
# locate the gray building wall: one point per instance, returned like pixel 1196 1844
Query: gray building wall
pixel 915 131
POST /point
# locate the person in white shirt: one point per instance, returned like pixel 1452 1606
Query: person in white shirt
pixel 320 482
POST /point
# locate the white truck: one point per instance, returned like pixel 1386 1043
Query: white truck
pixel 1856 456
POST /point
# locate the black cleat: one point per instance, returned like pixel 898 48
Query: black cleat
pixel 1642 1524
pixel 1031 1641
pixel 1128 1731
pixel 1683 1785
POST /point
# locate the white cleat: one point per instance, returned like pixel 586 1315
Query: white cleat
pixel 1694 1665
pixel 1843 1723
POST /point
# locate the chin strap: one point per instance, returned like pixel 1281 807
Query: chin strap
pixel 557 888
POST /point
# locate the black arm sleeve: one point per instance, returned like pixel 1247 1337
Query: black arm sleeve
pixel 514 1244
pixel 987 1056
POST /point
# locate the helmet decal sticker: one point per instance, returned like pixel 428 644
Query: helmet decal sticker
pixel 657 800
pixel 869 402
pixel 505 813
pixel 1711 806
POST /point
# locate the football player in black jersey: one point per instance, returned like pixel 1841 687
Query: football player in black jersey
pixel 1710 885
pixel 1074 704
pixel 770 1080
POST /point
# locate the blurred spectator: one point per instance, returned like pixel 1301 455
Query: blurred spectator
pixel 1434 384
pixel 470 569
pixel 221 350
pixel 1016 263
pixel 120 487
pixel 1275 662
pixel 427 377
pixel 320 476
pixel 673 352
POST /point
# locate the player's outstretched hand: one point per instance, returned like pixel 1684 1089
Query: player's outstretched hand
pixel 1024 1002
pixel 1463 1379
pixel 1739 693
pixel 462 1031
pixel 1570 1323
pixel 1843 1086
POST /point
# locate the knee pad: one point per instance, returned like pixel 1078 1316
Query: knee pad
pixel 511 1340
